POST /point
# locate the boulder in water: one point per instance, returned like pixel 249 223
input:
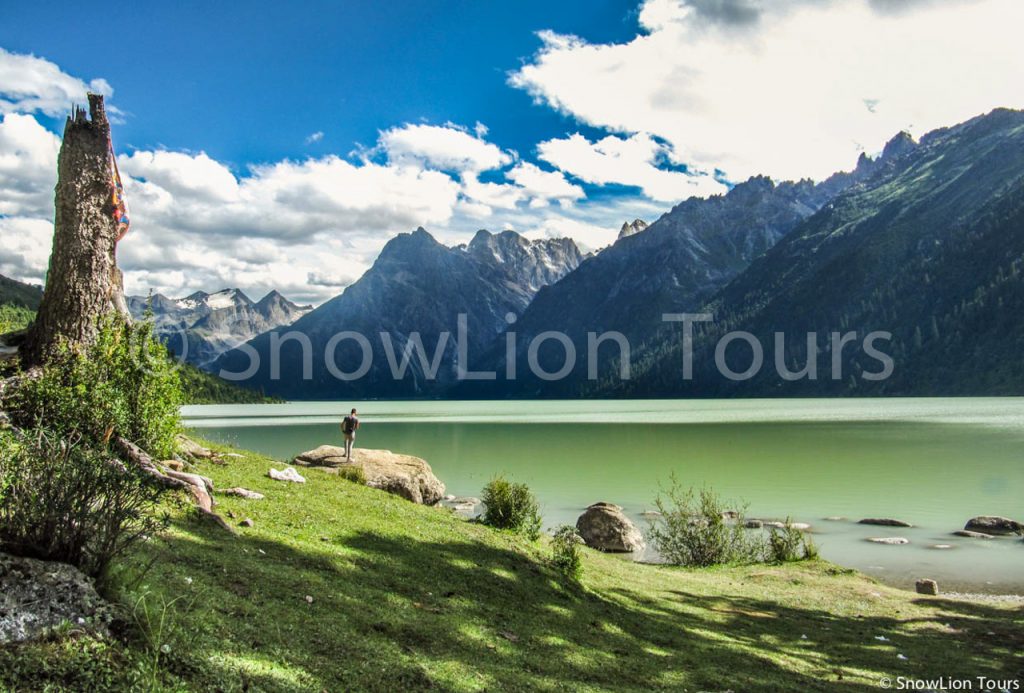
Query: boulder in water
pixel 603 526
pixel 993 524
pixel 892 541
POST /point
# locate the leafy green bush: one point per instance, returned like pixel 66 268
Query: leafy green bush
pixel 565 552
pixel 786 544
pixel 694 530
pixel 511 506
pixel 68 502
pixel 123 384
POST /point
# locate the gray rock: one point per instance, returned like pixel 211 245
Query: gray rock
pixel 893 541
pixel 971 535
pixel 603 526
pixel 993 524
pixel 247 522
pixel 753 524
pixel 38 596
pixel 925 586
pixel 243 493
pixel 466 505
pixel 884 522
pixel 403 475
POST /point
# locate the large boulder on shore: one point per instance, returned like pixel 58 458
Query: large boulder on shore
pixel 993 524
pixel 603 526
pixel 37 597
pixel 403 475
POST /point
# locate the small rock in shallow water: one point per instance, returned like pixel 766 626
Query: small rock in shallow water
pixel 971 535
pixel 884 522
pixel 603 526
pixel 894 541
pixel 941 546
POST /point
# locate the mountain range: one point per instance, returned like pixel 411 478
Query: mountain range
pixel 416 285
pixel 924 242
pixel 202 326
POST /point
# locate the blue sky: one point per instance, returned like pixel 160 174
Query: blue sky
pixel 265 147
pixel 249 82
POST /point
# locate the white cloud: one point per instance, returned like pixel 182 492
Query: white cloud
pixel 25 248
pixel 781 88
pixel 445 147
pixel 544 186
pixel 626 161
pixel 29 84
pixel 28 167
pixel 315 137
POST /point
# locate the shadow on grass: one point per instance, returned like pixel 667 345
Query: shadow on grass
pixel 393 613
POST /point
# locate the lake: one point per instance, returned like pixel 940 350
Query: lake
pixel 932 462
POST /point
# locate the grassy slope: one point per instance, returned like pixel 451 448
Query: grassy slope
pixel 409 597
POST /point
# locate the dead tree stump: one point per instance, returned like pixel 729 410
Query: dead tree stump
pixel 83 281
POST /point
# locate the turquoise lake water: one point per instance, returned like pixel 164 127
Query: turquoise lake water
pixel 932 462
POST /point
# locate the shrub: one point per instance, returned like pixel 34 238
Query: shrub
pixel 124 384
pixel 511 506
pixel 786 544
pixel 693 530
pixel 65 501
pixel 352 473
pixel 565 552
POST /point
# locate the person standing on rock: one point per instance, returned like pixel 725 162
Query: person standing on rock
pixel 349 426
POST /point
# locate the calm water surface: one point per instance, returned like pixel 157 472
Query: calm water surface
pixel 932 462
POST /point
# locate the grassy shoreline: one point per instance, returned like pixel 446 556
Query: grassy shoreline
pixel 402 596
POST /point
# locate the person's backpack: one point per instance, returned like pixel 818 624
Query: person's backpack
pixel 348 425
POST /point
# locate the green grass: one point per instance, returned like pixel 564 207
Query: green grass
pixel 407 597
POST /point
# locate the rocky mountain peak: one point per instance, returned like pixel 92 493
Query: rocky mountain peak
pixel 899 145
pixel 631 228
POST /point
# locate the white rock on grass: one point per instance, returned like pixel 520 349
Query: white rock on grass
pixel 286 474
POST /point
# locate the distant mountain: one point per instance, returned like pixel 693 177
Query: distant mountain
pixel 631 228
pixel 416 285
pixel 202 326
pixel 930 248
pixel 15 293
pixel 674 265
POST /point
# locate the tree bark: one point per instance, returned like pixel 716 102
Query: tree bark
pixel 83 281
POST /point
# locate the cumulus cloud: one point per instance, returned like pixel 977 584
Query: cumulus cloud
pixel 445 147
pixel 626 161
pixel 780 86
pixel 28 167
pixel 315 137
pixel 29 84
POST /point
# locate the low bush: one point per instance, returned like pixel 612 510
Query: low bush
pixel 14 318
pixel 123 384
pixel 511 506
pixel 352 473
pixel 565 552
pixel 786 544
pixel 693 530
pixel 64 501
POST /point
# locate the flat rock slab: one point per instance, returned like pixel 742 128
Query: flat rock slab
pixel 403 475
pixel 243 493
pixel 38 596
pixel 884 522
pixel 971 535
pixel 892 541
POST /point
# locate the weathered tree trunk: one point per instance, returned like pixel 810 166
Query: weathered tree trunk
pixel 83 281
